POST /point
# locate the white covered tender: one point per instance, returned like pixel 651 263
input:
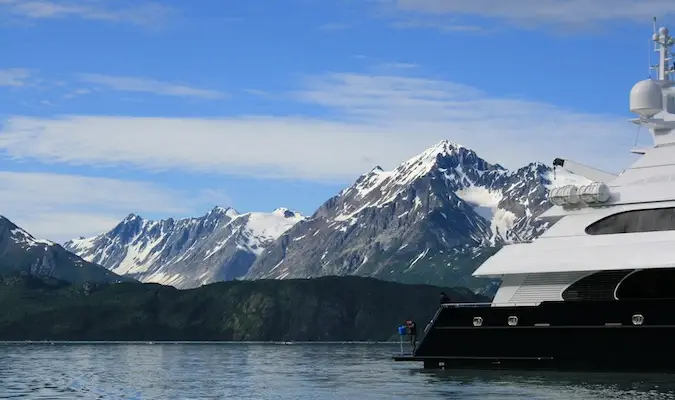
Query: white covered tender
pixel 564 195
pixel 596 192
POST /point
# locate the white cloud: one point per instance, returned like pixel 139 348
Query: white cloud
pixel 257 92
pixel 60 207
pixel 14 77
pixel 368 120
pixel 77 92
pixel 124 11
pixel 397 65
pixel 540 12
pixel 134 84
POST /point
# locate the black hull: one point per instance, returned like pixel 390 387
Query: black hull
pixel 566 336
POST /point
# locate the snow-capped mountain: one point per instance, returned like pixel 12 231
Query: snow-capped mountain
pixel 186 253
pixel 20 252
pixel 433 219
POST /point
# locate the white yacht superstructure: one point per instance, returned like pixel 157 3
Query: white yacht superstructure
pixel 620 223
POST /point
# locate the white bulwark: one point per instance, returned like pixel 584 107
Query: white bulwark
pixel 619 222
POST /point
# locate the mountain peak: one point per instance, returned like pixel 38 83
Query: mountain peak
pixel 131 218
pixel 227 211
pixel 188 252
pixel 446 146
pixel 285 212
pixel 443 149
pixel 6 223
pixel 25 254
pixel 19 235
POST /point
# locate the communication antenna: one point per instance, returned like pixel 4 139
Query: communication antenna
pixel 652 48
pixel 655 34
pixel 649 59
pixel 662 42
pixel 655 95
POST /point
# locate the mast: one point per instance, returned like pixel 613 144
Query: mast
pixel 657 96
pixel 662 42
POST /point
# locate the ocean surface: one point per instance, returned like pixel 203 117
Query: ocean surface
pixel 281 371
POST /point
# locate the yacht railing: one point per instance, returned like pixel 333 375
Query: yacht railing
pixel 484 304
pixel 426 329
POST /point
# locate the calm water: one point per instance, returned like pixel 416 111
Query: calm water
pixel 269 371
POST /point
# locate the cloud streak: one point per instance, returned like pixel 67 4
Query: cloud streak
pixel 43 202
pixel 397 65
pixel 369 119
pixel 14 77
pixel 135 84
pixel 334 26
pixel 143 13
pixel 535 13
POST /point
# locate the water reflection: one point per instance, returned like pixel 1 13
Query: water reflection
pixel 274 371
pixel 551 384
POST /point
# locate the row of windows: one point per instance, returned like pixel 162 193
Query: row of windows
pixel 657 219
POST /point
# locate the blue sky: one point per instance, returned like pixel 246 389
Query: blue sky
pixel 167 109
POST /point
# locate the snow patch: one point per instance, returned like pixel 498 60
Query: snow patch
pixel 419 257
pixel 22 237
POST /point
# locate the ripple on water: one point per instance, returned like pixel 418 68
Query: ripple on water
pixel 275 371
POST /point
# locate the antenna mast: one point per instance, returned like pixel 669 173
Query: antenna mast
pixel 651 97
pixel 662 41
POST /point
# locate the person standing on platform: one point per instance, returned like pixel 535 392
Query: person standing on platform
pixel 412 334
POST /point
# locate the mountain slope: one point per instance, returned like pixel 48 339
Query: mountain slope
pixel 21 252
pixel 434 218
pixel 331 308
pixel 186 253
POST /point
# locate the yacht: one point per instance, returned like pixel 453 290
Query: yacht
pixel 596 291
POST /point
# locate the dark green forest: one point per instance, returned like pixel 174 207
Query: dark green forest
pixel 320 309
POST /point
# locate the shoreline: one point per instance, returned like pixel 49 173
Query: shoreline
pixel 231 342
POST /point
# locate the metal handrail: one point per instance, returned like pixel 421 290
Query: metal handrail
pixel 484 304
pixel 426 329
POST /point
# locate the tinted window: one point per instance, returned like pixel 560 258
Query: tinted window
pixel 657 219
pixel 599 286
pixel 657 283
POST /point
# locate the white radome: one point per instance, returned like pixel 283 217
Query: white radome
pixel 646 98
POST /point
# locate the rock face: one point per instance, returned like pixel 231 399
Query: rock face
pixel 20 252
pixel 186 253
pixel 433 219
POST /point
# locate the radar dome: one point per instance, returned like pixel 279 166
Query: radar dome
pixel 646 98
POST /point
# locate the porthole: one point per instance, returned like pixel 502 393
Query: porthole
pixel 638 319
pixel 477 321
pixel 513 320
